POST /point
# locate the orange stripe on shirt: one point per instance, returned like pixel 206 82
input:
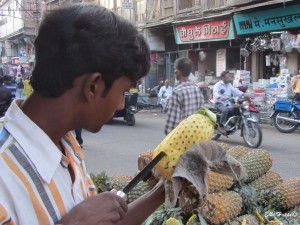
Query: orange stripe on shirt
pixel 57 198
pixel 75 145
pixel 91 185
pixel 3 214
pixel 41 214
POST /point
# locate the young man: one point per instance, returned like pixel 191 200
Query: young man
pixel 43 177
pixel 186 97
pixel 222 92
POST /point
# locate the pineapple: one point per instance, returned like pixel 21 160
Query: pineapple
pixel 221 207
pixel 218 182
pixel 196 128
pixel 238 151
pixel 249 218
pixel 255 164
pixel 193 220
pixel 289 193
pixel 266 181
pixel 119 182
pixel 225 146
pixel 172 221
pixel 144 159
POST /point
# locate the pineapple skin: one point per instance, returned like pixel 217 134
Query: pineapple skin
pixel 255 164
pixel 218 182
pixel 222 207
pixel 238 151
pixel 289 193
pixel 267 181
pixel 194 129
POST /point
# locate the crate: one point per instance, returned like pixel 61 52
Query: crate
pixel 284 105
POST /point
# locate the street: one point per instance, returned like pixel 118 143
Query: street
pixel 116 147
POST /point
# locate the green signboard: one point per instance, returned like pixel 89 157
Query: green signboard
pixel 267 20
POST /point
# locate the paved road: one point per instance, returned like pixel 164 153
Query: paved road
pixel 116 147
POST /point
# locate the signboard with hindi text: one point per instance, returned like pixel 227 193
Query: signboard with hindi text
pixel 204 31
pixel 267 20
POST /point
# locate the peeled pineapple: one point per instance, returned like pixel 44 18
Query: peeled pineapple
pixel 193 220
pixel 196 128
pixel 172 221
pixel 255 164
pixel 222 207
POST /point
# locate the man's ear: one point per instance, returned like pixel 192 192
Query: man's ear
pixel 94 86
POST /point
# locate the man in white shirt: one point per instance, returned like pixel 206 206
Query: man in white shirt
pixel 222 92
pixel 165 93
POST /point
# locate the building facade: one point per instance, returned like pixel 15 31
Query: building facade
pixel 220 35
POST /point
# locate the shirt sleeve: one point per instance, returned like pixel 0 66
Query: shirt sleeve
pixel 216 91
pixel 236 91
pixel 160 92
pixel 5 218
pixel 173 116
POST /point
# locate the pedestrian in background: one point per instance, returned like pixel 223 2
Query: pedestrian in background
pixel 164 94
pixel 186 96
pixel 43 176
pixel 19 89
pixel 78 136
pixel 8 83
pixel 5 97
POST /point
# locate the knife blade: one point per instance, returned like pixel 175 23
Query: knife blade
pixel 141 175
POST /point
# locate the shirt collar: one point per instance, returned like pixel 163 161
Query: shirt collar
pixel 35 143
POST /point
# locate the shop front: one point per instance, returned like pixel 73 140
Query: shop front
pixel 215 48
pixel 272 43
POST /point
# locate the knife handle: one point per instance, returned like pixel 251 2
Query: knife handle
pixel 122 195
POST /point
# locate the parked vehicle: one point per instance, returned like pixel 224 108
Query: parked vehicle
pixel 129 109
pixel 286 115
pixel 240 119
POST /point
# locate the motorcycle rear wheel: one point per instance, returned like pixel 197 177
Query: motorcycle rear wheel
pixel 283 125
pixel 130 121
pixel 253 135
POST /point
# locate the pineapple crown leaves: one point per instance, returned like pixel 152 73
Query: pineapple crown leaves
pixel 101 181
pixel 209 114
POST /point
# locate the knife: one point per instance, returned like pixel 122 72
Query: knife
pixel 141 175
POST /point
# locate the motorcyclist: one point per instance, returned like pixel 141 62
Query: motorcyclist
pixel 222 92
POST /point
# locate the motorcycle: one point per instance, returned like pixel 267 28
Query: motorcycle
pixel 240 118
pixel 286 115
pixel 129 109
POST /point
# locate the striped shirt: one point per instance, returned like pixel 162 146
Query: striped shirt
pixel 185 100
pixel 38 184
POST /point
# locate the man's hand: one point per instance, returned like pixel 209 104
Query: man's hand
pixel 106 209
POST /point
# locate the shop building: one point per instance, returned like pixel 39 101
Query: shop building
pixel 214 36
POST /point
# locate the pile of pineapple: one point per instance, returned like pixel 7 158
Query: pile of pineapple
pixel 260 197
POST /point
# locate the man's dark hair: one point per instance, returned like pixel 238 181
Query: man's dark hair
pixel 184 65
pixel 81 39
pixel 7 78
pixel 223 73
